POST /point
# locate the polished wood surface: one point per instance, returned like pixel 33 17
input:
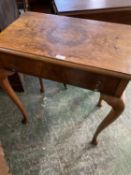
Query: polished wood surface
pixel 78 5
pixel 121 16
pixel 89 54
pixel 98 46
pixel 117 11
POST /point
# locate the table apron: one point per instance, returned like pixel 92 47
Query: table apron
pixel 94 81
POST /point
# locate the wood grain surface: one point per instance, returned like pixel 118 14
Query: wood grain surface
pixel 99 46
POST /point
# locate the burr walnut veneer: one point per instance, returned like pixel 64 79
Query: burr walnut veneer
pixel 88 54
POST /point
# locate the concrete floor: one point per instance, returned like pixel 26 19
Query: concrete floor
pixel 56 140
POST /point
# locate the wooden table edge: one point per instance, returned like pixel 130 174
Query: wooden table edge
pixel 97 10
pixel 65 63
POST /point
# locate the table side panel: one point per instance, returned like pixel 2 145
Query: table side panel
pixel 123 17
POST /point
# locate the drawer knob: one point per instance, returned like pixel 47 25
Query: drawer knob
pixel 98 85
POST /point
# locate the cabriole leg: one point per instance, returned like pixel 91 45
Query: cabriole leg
pixel 5 85
pixel 117 105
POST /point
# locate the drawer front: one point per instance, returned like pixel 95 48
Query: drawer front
pixel 70 75
pixel 93 81
pixel 81 78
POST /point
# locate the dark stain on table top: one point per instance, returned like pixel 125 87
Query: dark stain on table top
pixel 100 45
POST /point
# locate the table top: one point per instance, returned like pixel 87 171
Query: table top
pixel 91 45
pixel 78 5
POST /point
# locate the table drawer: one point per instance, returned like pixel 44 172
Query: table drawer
pixel 61 73
pixel 81 78
pixel 89 80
